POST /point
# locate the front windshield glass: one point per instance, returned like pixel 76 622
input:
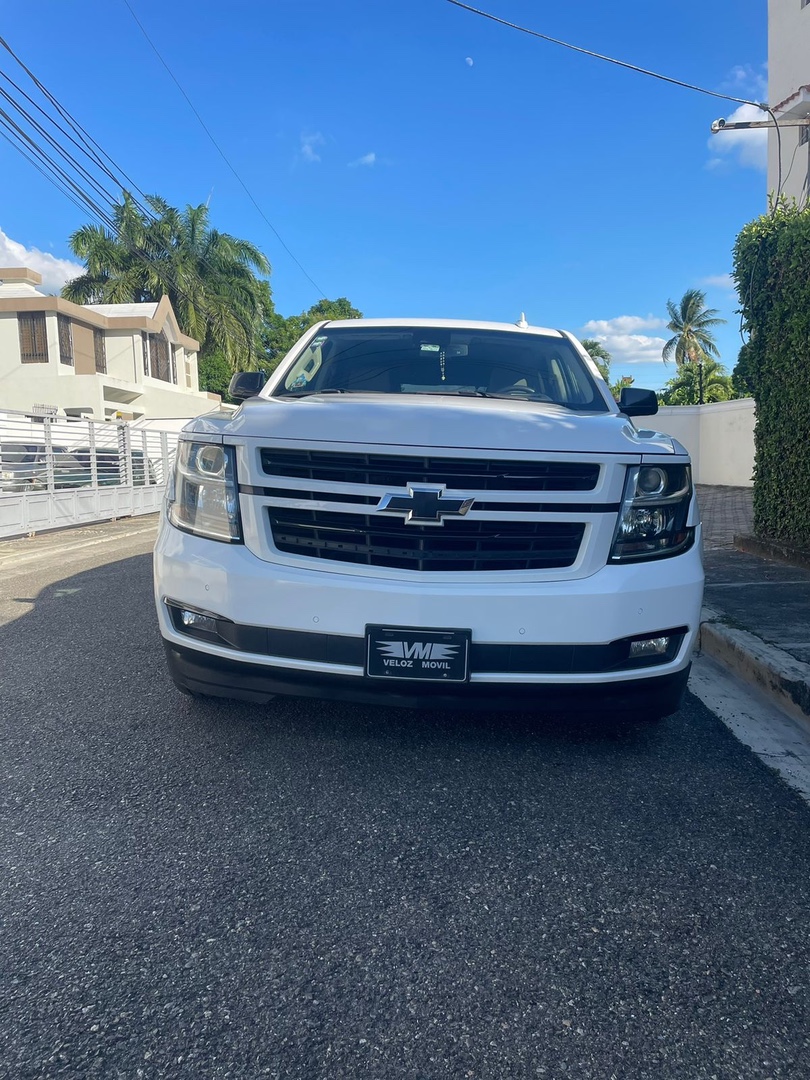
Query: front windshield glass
pixel 430 360
pixel 18 454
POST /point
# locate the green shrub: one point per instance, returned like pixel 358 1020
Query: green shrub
pixel 772 273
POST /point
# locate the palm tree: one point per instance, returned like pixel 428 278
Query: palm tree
pixel 690 324
pixel 599 354
pixel 210 277
pixel 697 382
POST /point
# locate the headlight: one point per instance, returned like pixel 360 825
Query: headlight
pixel 655 507
pixel 203 497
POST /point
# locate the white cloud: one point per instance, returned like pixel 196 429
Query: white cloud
pixel 748 147
pixel 55 272
pixel 366 159
pixel 310 142
pixel 747 82
pixel 718 281
pixel 622 340
pixel 624 324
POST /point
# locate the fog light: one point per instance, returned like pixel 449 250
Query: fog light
pixel 656 646
pixel 195 620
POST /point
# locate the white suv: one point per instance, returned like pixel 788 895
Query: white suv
pixel 432 513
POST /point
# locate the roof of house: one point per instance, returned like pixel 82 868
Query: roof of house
pixel 120 311
pixel 18 294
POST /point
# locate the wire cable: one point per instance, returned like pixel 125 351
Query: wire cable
pixel 53 161
pixel 601 56
pixel 97 156
pixel 220 151
pixel 640 71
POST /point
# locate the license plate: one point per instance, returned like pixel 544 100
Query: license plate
pixel 407 652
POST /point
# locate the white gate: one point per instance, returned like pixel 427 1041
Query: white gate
pixel 56 472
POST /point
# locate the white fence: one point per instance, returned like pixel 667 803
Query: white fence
pixel 82 471
pixel 719 438
pixel 56 472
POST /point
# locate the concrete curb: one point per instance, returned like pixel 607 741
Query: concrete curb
pixel 776 673
pixel 772 549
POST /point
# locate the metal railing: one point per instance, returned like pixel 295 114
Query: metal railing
pixel 56 472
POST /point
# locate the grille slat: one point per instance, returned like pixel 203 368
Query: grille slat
pixel 398 470
pixel 464 545
pixel 455 545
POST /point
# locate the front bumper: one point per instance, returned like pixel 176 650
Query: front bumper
pixel 216 676
pixel 325 614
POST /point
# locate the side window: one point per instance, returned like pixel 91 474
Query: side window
pixel 65 340
pixel 100 351
pixel 33 338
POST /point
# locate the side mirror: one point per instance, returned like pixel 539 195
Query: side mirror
pixel 246 384
pixel 636 402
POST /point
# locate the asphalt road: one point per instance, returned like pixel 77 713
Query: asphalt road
pixel 311 890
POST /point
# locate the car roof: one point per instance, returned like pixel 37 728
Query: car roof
pixel 445 324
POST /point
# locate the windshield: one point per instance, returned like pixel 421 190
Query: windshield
pixel 428 360
pixel 18 453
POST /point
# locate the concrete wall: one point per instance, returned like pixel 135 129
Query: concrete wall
pixel 719 438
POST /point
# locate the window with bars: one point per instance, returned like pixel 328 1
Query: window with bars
pixel 145 343
pixel 160 358
pixel 100 351
pixel 33 338
pixel 65 340
pixel 804 132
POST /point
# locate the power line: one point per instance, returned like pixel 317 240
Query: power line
pixel 602 56
pixel 99 202
pixel 43 159
pixel 220 151
pixel 639 71
pixel 87 144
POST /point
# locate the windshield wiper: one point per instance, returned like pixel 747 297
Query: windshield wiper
pixel 329 390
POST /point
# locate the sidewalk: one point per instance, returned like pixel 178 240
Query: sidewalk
pixel 756 617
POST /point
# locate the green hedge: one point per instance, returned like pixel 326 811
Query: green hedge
pixel 772 272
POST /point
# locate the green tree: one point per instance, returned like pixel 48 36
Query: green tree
pixel 215 374
pixel 690 323
pixel 600 356
pixel 743 375
pixel 692 377
pixel 617 387
pixel 692 341
pixel 210 277
pixel 279 334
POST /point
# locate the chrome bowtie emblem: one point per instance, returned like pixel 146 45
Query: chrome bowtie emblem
pixel 424 505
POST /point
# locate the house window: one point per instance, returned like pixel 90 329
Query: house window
pixel 145 344
pixel 33 338
pixel 65 340
pixel 100 350
pixel 160 357
pixel 804 132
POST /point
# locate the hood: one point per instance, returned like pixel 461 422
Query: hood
pixel 451 423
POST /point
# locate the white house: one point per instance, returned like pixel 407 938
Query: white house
pixel 789 96
pixel 101 361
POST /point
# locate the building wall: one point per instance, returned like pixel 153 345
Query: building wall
pixel 123 388
pixel 84 356
pixel 719 438
pixel 788 70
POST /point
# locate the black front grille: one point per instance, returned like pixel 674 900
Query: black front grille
pixel 462 545
pixel 390 470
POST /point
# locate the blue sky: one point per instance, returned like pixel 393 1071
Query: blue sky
pixel 419 159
